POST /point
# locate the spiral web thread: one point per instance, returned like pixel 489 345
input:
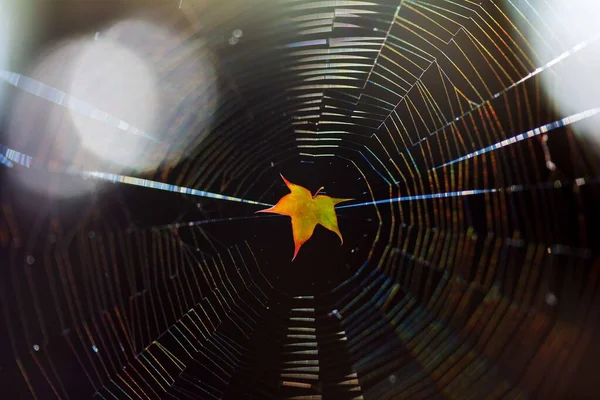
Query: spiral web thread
pixel 438 108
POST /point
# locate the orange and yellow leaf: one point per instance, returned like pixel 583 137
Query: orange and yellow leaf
pixel 306 211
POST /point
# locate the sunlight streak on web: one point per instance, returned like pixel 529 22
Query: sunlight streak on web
pixel 130 180
pixel 526 135
pixel 510 189
pixel 8 155
pixel 421 197
pixel 46 92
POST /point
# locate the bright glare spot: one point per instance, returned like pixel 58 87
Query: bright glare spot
pixel 117 81
pixel 233 40
pixel 551 299
pixel 5 31
pixel 19 29
pixel 112 101
pixel 8 16
pixel 237 33
pixel 36 347
pixel 564 34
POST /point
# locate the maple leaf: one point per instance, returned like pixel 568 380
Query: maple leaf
pixel 306 211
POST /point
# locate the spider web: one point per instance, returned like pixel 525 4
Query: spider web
pixel 469 267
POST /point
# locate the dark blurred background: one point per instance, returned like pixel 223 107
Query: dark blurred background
pixel 139 138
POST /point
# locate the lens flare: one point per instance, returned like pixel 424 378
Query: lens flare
pixel 569 70
pixel 112 101
pixel 122 90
